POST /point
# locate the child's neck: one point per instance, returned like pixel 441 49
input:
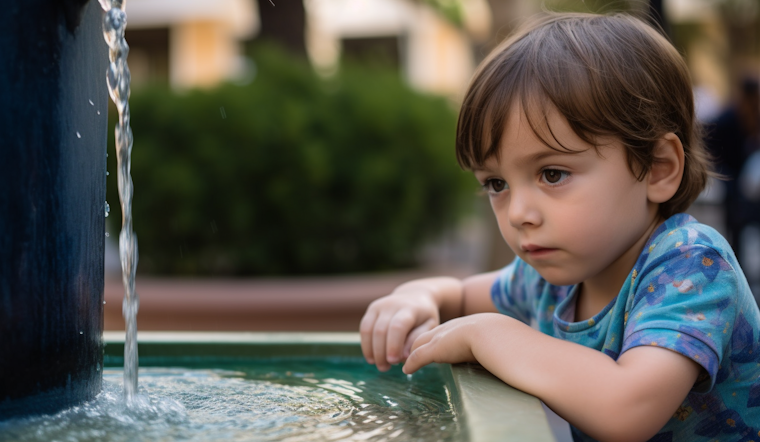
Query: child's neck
pixel 595 293
pixel 588 303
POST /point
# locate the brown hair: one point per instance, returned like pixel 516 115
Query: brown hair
pixel 608 75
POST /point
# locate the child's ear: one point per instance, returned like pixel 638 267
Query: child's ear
pixel 666 174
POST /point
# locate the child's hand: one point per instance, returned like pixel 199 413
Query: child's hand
pixel 448 343
pixel 392 323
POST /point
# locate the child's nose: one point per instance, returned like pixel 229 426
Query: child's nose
pixel 522 210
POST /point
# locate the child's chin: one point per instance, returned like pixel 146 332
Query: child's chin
pixel 558 278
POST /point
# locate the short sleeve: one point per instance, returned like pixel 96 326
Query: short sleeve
pixel 685 301
pixel 515 289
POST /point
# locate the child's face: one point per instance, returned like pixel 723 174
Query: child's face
pixel 574 217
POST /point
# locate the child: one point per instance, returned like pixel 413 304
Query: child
pixel 627 317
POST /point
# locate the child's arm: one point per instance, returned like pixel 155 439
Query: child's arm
pixel 628 399
pixel 392 323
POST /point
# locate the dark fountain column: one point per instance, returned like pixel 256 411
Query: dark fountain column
pixel 53 106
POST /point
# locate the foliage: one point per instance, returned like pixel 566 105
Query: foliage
pixel 289 174
pixel 593 6
pixel 451 10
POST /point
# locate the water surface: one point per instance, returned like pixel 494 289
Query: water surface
pixel 286 400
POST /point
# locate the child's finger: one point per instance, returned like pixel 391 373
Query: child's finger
pixel 423 339
pixel 399 327
pixel 379 336
pixel 422 351
pixel 416 333
pixel 416 360
pixel 366 328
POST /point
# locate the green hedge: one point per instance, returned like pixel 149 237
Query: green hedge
pixel 289 174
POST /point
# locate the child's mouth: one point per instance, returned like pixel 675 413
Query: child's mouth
pixel 537 251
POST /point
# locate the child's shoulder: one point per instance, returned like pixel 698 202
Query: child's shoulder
pixel 685 256
pixel 681 234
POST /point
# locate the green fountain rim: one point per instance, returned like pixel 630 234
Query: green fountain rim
pixel 189 337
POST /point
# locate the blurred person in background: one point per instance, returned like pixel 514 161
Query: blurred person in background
pixel 732 138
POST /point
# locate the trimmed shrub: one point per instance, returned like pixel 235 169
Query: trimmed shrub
pixel 289 174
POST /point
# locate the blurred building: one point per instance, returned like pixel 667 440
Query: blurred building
pixel 433 50
pixel 435 44
pixel 198 43
pixel 705 48
pixel 721 42
pixel 188 43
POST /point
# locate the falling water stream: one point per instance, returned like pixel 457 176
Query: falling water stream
pixel 118 77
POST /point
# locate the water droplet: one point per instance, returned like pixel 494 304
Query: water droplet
pixel 98 112
pixel 107 235
pixel 91 103
pixel 104 303
pixel 97 368
pixel 107 173
pixel 81 332
pixel 108 208
pixel 79 135
pixel 408 377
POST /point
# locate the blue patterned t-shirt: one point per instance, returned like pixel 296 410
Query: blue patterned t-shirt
pixel 686 293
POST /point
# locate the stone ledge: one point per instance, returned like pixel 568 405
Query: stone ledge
pixel 334 303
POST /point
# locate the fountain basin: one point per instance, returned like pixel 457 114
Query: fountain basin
pixel 486 408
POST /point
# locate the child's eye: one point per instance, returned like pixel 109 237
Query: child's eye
pixel 554 176
pixel 495 185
